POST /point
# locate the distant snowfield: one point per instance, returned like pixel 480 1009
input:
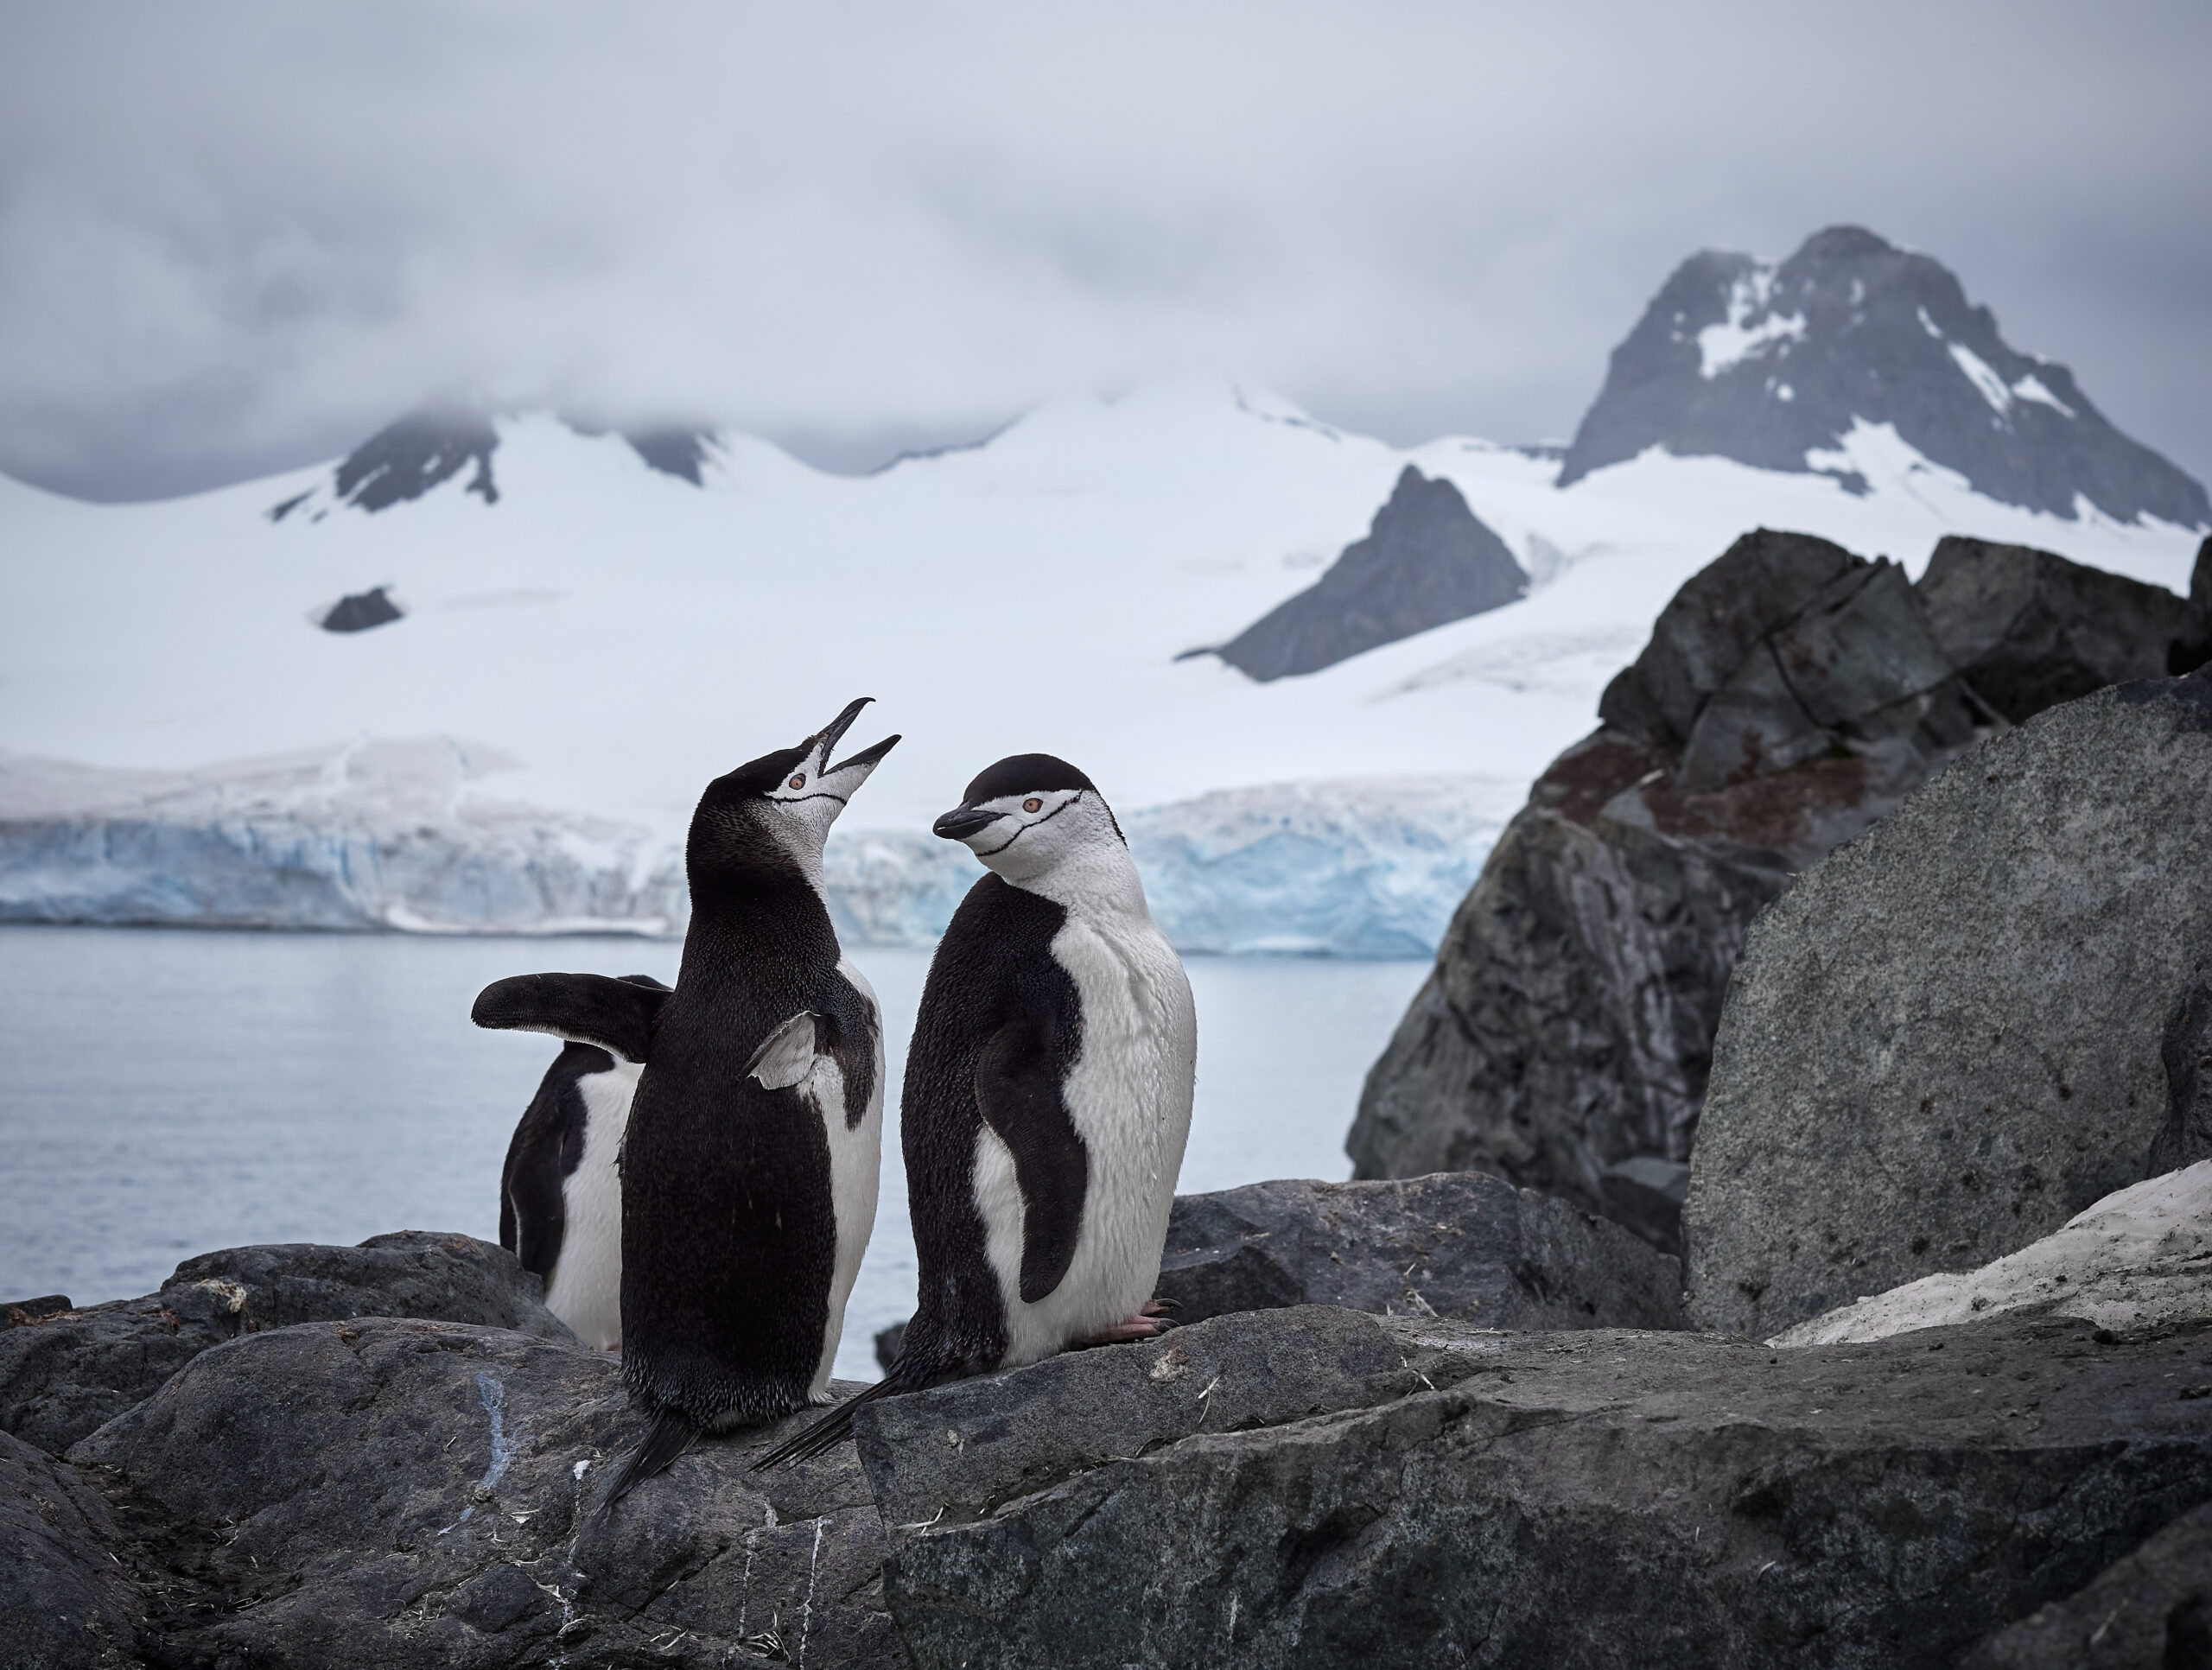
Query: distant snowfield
pixel 579 658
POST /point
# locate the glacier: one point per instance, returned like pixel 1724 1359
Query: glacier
pixel 398 836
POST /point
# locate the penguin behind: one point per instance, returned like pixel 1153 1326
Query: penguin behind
pixel 1047 1095
pixel 750 1163
pixel 559 1194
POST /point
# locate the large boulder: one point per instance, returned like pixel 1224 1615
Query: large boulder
pixel 1565 1034
pixel 1792 695
pixel 391 1493
pixel 65 1601
pixel 2152 1610
pixel 1458 1244
pixel 1311 1487
pixel 1954 1035
pixel 2194 647
pixel 63 1372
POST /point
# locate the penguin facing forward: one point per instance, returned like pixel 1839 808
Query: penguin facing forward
pixel 1047 1095
pixel 750 1164
pixel 559 1194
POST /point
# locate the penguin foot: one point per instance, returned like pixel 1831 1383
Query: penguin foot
pixel 1157 1306
pixel 1131 1329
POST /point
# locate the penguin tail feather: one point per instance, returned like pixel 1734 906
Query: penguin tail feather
pixel 827 1431
pixel 669 1437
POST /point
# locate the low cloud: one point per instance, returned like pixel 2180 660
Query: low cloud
pixel 233 237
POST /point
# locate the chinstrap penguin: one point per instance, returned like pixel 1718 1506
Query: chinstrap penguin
pixel 559 1194
pixel 750 1164
pixel 1047 1095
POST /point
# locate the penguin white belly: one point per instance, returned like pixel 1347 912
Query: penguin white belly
pixel 1129 1095
pixel 585 1288
pixel 855 1166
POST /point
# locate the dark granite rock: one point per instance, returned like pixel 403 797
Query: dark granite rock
pixel 357 611
pixel 392 1493
pixel 677 452
pixel 65 1602
pixel 64 1374
pixel 2193 647
pixel 1952 1036
pixel 1791 695
pixel 1293 1488
pixel 405 460
pixel 2150 1612
pixel 1426 560
pixel 1774 365
pixel 1458 1244
pixel 2030 630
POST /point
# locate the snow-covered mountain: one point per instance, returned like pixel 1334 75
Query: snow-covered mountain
pixel 1777 366
pixel 586 637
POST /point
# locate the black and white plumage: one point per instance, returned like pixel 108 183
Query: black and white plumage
pixel 1047 1096
pixel 560 1193
pixel 750 1164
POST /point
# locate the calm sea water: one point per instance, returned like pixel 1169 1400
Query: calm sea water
pixel 172 1092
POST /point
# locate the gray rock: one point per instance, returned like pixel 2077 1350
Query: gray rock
pixel 394 1493
pixel 1774 365
pixel 889 1342
pixel 64 1373
pixel 1950 1037
pixel 1287 1488
pixel 2030 630
pixel 65 1601
pixel 1458 1244
pixel 1791 695
pixel 1426 560
pixel 2150 1612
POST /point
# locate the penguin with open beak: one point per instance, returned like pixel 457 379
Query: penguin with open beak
pixel 750 1164
pixel 1047 1097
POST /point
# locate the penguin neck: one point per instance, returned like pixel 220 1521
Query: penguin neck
pixel 751 904
pixel 1097 880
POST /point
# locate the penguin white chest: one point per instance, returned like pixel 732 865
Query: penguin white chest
pixel 1128 1097
pixel 585 1287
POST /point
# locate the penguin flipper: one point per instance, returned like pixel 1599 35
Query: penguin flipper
pixel 617 1015
pixel 1017 1090
pixel 786 1055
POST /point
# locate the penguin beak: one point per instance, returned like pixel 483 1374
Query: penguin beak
pixel 961 821
pixel 825 741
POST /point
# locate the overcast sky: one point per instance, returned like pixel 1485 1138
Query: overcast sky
pixel 235 237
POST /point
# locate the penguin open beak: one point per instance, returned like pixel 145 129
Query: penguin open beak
pixel 961 821
pixel 824 742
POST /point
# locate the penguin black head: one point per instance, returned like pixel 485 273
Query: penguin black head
pixel 1030 813
pixel 776 811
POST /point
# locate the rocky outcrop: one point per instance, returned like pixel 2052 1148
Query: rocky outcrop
pixel 1954 1035
pixel 2030 630
pixel 357 611
pixel 65 1601
pixel 1777 365
pixel 64 1373
pixel 394 1493
pixel 406 458
pixel 2150 1612
pixel 2194 647
pixel 1426 560
pixel 1308 1487
pixel 1460 1245
pixel 1791 695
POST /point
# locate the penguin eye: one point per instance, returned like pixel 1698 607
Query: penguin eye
pixel 799 782
pixel 1033 804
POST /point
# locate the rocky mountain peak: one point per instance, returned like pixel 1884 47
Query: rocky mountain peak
pixel 1774 364
pixel 1426 560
